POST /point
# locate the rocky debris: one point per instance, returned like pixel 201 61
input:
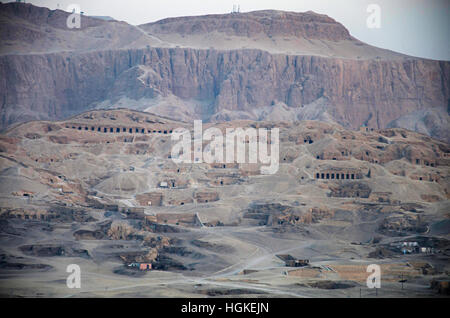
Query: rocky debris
pixel 411 206
pixel 329 284
pixel 442 286
pixel 382 197
pixel 248 271
pixel 62 140
pixel 8 144
pixel 101 203
pixel 89 235
pixel 177 250
pixel 137 213
pixel 138 149
pixel 350 190
pixel 23 193
pixel 314 215
pixel 205 197
pixel 146 256
pixel 67 214
pixel 11 262
pixel 47 250
pixel 185 219
pixel 214 223
pixel 424 268
pixel 161 228
pixel 32 136
pixel 150 244
pixel 225 178
pixel 269 208
pixel 289 155
pixel 124 231
pixel 57 214
pixel 128 271
pixel 214 247
pixel 264 212
pixel 262 218
pixel 182 251
pixel 163 262
pixel 431 197
pixel 7 228
pixel 381 252
pixel 278 215
pixel 21 266
pixel 400 225
pixel 220 292
pixel 24 214
pixel 157 241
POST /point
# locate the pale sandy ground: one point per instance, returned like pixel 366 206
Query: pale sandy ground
pixel 254 248
pixel 256 251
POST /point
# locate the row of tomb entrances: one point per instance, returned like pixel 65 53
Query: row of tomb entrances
pixel 338 176
pixel 120 129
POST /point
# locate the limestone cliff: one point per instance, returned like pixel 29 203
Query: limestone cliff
pixel 222 84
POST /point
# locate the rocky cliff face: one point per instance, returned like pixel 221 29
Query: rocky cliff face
pixel 361 92
pixel 226 84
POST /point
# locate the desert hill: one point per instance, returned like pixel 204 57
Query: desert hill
pixel 28 29
pixel 100 189
pixel 278 32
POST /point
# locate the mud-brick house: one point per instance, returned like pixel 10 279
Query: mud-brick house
pixel 145 266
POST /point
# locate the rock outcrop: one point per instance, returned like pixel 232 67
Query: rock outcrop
pixel 269 22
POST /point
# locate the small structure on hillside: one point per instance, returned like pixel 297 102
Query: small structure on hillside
pixel 163 184
pixel 145 266
pixel 411 247
pixel 364 128
pixel 291 261
pixel 141 266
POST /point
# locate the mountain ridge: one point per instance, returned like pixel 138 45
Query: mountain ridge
pixel 141 68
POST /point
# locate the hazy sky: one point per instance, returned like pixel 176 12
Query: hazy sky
pixel 414 27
